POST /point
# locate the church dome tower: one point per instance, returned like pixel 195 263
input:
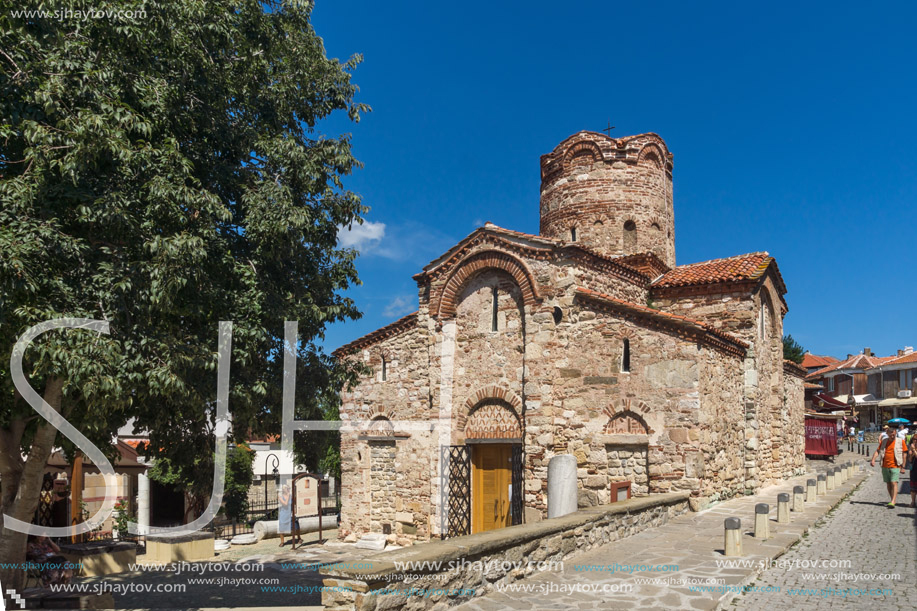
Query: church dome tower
pixel 611 195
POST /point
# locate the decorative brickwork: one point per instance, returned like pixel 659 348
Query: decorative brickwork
pixel 493 420
pixel 487 260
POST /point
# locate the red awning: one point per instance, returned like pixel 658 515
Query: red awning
pixel 821 436
pixel 822 400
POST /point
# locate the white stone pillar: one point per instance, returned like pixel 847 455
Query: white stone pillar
pixel 562 496
pixel 143 502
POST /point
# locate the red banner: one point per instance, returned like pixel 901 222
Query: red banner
pixel 821 437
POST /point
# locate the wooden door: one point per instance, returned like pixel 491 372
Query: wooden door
pixel 491 477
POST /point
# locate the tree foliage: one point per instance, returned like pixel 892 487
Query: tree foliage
pixel 239 476
pixel 792 350
pixel 164 173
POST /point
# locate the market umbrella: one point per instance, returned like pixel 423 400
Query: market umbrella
pixel 899 421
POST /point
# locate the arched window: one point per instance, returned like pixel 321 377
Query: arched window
pixel 384 369
pixel 630 235
pixel 495 309
pixel 573 234
pixel 558 315
pixel 625 357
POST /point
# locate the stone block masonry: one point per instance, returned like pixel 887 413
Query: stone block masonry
pixel 478 563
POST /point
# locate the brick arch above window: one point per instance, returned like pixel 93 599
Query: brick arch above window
pixel 652 155
pixel 502 411
pixel 473 265
pixel 576 153
pixel 628 423
pixel 634 409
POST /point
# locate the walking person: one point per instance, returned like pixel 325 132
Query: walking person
pixel 894 452
pixel 285 513
pixel 912 457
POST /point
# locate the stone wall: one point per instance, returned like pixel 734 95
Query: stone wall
pixel 476 564
pixel 672 416
pixel 403 491
pixel 794 439
pixel 754 314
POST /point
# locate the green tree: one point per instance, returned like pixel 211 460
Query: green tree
pixel 792 350
pixel 239 476
pixel 164 171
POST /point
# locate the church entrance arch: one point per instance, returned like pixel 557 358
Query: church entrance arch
pixel 493 431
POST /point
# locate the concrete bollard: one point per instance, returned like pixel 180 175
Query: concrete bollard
pixel 845 475
pixel 830 480
pixel 822 484
pixel 562 496
pixel 840 476
pixel 810 491
pixel 799 503
pixel 733 544
pixel 761 520
pixel 783 508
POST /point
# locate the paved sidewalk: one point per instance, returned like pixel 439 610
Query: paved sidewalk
pixel 693 542
pixel 879 543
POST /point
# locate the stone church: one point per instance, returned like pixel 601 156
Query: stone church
pixel 586 339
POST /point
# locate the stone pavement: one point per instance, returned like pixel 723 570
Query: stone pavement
pixel 704 578
pixel 223 586
pixel 879 544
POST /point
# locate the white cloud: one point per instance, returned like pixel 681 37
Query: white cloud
pixel 363 237
pixel 399 306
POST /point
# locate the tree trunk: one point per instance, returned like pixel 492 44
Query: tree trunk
pixel 21 499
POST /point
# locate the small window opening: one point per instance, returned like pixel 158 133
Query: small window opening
pixel 630 235
pixel 625 359
pixel 558 315
pixel 496 307
pixel 384 370
pixel 573 234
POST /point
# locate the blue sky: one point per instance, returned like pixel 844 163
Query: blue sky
pixel 792 128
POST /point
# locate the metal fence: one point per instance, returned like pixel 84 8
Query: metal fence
pixel 225 527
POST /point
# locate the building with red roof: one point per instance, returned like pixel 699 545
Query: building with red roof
pixel 587 340
pixel 877 388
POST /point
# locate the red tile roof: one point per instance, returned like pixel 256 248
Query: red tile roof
pixel 809 386
pixel 900 360
pixel 810 360
pixel 857 361
pixel 732 269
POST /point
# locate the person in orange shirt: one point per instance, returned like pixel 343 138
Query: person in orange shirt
pixel 894 454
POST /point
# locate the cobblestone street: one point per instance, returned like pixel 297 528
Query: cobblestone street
pixel 876 541
pixel 856 529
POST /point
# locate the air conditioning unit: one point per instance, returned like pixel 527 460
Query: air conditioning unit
pixel 904 394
